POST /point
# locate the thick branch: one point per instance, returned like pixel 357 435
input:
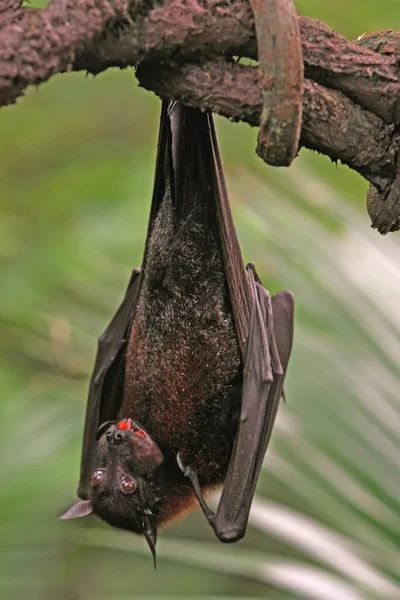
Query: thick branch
pixel 184 28
pixel 332 124
pixel 36 44
pixel 370 79
pixel 8 9
pixel 95 34
pixel 384 42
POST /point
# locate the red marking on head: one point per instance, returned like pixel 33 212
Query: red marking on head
pixel 140 432
pixel 126 424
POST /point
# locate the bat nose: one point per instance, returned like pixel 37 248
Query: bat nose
pixel 114 437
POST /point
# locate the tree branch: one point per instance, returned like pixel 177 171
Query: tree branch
pixel 36 43
pixel 332 124
pixel 351 97
pixel 8 9
pixel 95 34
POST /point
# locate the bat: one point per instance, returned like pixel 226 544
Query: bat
pixel 189 373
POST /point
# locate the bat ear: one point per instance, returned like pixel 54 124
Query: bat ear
pixel 83 508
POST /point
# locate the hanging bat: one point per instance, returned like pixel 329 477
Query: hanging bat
pixel 190 371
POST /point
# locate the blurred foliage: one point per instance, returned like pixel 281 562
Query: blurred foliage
pixel 76 174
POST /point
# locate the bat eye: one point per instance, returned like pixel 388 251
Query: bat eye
pixel 128 484
pixel 97 476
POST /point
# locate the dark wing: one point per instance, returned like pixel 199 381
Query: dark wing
pixel 184 154
pixel 238 283
pixel 267 355
pixel 264 327
pixel 106 384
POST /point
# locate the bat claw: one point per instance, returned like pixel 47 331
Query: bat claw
pixel 181 465
pixel 188 471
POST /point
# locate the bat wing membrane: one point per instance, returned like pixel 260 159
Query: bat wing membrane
pixel 106 384
pixel 264 327
pixel 267 354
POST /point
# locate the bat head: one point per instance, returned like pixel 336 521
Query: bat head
pixel 127 445
pixel 123 491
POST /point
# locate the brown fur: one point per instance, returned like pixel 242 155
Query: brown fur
pixel 183 363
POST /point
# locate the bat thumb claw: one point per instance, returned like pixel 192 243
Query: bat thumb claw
pixel 181 464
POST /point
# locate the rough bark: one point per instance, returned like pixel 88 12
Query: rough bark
pixel 332 123
pixel 351 106
pixel 281 61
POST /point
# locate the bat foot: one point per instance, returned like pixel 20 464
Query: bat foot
pixel 188 471
pixel 191 474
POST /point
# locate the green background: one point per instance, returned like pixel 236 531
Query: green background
pixel 76 173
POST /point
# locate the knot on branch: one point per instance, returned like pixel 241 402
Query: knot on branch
pixel 384 207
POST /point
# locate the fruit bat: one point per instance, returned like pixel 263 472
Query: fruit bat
pixel 190 371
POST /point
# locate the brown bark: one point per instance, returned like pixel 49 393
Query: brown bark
pixel 281 62
pixel 351 92
pixel 332 123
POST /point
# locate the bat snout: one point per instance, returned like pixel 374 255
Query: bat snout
pixel 115 437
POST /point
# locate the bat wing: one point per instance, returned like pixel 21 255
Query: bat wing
pixel 238 283
pixel 267 355
pixel 106 384
pixel 264 327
